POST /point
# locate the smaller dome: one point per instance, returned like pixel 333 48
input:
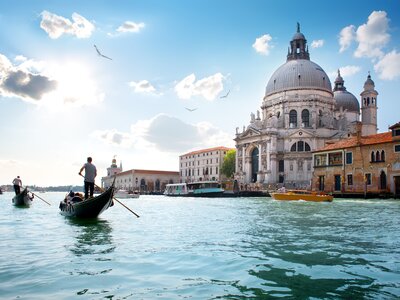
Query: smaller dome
pixel 298 36
pixel 346 100
pixel 369 83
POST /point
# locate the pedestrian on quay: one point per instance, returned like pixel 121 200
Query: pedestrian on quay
pixel 17 185
pixel 90 175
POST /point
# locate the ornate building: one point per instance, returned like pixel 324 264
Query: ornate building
pixel 299 114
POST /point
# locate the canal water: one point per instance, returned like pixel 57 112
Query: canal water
pixel 254 248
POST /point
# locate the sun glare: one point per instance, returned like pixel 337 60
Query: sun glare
pixel 75 86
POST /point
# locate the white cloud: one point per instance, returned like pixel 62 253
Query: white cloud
pixel 348 71
pixel 389 66
pixel 21 82
pixel 142 86
pixel 373 35
pixel 208 87
pixel 50 84
pixel 167 134
pixel 261 45
pixel 129 26
pixel 317 43
pixel 114 137
pixel 55 26
pixel 347 35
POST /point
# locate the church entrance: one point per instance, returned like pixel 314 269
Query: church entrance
pixel 254 165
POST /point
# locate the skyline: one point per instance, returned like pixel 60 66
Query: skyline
pixel 146 80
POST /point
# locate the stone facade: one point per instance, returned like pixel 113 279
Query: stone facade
pixel 299 114
pixel 202 165
pixel 360 165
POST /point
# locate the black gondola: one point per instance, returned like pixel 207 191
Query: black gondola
pixel 22 199
pixel 90 208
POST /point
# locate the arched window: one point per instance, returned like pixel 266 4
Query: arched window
pixel 383 155
pixel 383 181
pixel 305 118
pixel 378 156
pixel 300 146
pixel 293 119
pixel 372 156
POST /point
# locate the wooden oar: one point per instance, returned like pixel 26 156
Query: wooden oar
pixel 116 200
pixel 39 197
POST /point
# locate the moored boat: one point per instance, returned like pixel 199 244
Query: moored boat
pixel 22 199
pixel 194 189
pixel 126 194
pixel 89 208
pixel 302 195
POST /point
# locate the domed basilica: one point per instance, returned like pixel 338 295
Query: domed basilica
pixel 300 113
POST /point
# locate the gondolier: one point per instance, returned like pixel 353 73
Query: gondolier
pixel 90 175
pixel 17 185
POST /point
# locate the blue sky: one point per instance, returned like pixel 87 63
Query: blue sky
pixel 61 102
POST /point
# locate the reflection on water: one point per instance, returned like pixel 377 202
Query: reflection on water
pixel 93 237
pixel 307 251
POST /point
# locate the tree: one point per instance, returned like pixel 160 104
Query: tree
pixel 228 166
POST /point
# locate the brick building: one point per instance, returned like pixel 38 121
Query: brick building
pixel 365 165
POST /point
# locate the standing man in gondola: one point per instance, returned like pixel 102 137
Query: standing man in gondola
pixel 90 175
pixel 17 185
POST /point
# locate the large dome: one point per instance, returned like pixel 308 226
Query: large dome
pixel 298 74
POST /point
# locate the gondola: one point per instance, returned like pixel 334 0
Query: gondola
pixel 90 208
pixel 22 199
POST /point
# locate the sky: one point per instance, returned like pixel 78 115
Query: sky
pixel 154 90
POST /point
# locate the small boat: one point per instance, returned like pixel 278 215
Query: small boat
pixel 22 199
pixel 89 208
pixel 194 189
pixel 294 195
pixel 126 194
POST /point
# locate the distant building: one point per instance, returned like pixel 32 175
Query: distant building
pixel 360 164
pixel 202 165
pixel 300 112
pixel 144 181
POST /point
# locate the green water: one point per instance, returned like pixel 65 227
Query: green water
pixel 240 248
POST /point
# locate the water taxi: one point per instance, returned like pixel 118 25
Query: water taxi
pixel 294 195
pixel 194 189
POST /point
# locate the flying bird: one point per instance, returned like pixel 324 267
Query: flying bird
pixel 190 109
pixel 225 96
pixel 100 54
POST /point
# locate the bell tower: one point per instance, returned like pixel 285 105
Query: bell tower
pixel 369 107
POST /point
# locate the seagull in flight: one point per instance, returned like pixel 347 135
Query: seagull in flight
pixel 225 96
pixel 190 109
pixel 100 54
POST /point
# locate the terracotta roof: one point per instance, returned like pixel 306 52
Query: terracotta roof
pixel 148 172
pixel 397 125
pixel 379 138
pixel 221 148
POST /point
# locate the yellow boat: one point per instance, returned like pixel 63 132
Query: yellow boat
pixel 302 195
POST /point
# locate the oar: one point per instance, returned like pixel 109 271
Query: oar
pixel 39 197
pixel 117 200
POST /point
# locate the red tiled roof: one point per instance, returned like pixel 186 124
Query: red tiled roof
pixel 221 148
pixel 379 138
pixel 397 125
